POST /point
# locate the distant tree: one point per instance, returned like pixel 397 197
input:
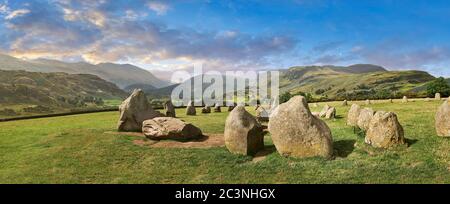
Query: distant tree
pixel 439 85
pixel 285 97
pixel 362 86
pixel 319 91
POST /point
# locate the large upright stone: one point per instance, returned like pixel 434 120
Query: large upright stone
pixel 231 107
pixel 170 128
pixel 443 120
pixel 364 118
pixel 169 109
pixel 331 113
pixel 262 113
pixel 324 111
pixel 345 103
pixel 243 134
pixel 134 110
pixel 353 115
pixel 437 96
pixel 297 133
pixel 368 102
pixel 385 131
pixel 190 109
pixel 206 109
pixel 217 108
pixel 405 99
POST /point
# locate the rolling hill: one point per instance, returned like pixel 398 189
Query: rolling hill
pixel 122 75
pixel 55 90
pixel 360 81
pixel 352 82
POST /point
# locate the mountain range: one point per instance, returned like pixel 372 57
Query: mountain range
pixel 327 82
pixel 122 75
pixel 359 81
pixel 353 82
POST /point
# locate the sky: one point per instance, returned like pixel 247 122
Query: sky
pixel 164 36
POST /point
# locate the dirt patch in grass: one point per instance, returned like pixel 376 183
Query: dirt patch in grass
pixel 207 141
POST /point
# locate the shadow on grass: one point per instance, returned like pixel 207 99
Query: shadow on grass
pixel 343 148
pixel 410 142
pixel 268 149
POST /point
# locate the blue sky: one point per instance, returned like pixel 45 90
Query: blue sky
pixel 227 35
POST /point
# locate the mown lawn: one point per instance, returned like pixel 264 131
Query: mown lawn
pixel 76 149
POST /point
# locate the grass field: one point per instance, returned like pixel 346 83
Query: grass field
pixel 76 149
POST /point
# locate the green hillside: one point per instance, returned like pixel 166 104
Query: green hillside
pixel 331 82
pixel 122 75
pixel 50 92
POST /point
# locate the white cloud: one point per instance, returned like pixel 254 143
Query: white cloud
pixel 17 13
pixel 159 7
pixel 4 8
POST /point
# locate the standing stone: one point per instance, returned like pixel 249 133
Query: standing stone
pixel 297 133
pixel 190 109
pixel 206 109
pixel 364 118
pixel 345 103
pixel 405 99
pixel 262 114
pixel 169 109
pixel 217 108
pixel 353 115
pixel 368 102
pixel 243 134
pixel 437 96
pixel 134 110
pixel 443 120
pixel 331 113
pixel 230 108
pixel 385 131
pixel 391 101
pixel 324 111
pixel 170 128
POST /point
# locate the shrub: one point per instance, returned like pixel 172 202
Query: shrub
pixel 8 112
pixel 439 85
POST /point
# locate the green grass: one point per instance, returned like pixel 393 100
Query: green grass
pixel 76 149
